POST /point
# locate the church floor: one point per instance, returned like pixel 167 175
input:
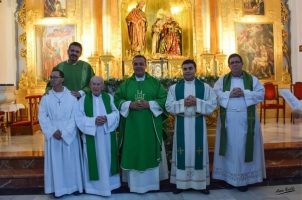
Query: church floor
pixel 277 192
pixel 21 169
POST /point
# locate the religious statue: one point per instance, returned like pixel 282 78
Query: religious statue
pixel 156 30
pixel 137 27
pixel 170 42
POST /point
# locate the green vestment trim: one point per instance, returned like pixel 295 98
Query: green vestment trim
pixel 199 93
pixel 140 133
pixel 249 146
pixel 90 142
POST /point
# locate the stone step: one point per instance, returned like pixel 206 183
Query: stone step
pixel 21 178
pixel 22 163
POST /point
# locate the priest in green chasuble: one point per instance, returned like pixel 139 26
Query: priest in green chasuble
pixel 189 100
pixel 239 152
pixel 141 100
pixel 77 72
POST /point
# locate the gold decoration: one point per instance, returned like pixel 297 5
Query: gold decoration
pixel 23 52
pixel 21 15
pixel 22 38
pixel 31 16
pixel 284 13
pixel 286 78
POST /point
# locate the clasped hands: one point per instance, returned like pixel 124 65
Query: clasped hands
pixel 140 104
pixel 190 101
pixel 57 135
pixel 236 92
pixel 100 120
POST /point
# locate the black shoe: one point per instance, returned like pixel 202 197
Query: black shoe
pixel 177 191
pixel 77 193
pixel 243 188
pixel 205 191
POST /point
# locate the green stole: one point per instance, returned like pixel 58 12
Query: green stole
pixel 180 131
pixel 249 146
pixel 90 143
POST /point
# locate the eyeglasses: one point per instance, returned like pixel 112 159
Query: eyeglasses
pixel 54 77
pixel 235 62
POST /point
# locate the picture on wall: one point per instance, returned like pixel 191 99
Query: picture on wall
pixel 55 8
pixel 52 46
pixel 253 7
pixel 255 43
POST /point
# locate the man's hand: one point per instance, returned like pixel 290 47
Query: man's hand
pixel 190 101
pixel 100 120
pixel 76 94
pixel 57 135
pixel 138 105
pixel 236 92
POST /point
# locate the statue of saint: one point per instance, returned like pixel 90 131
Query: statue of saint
pixel 156 30
pixel 137 27
pixel 170 42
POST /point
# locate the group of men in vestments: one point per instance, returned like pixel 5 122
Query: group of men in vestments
pixel 84 152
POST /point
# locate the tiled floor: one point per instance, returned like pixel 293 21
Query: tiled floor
pixel 280 192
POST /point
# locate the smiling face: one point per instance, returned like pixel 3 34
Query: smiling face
pixel 139 66
pixel 74 53
pixel 96 85
pixel 188 71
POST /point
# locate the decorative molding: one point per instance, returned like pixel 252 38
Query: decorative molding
pixel 22 38
pixel 23 53
pixel 286 77
pixel 21 15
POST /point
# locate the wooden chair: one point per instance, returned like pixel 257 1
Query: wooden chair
pixel 28 127
pixel 272 100
pixel 296 89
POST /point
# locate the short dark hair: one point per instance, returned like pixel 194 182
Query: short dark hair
pixel 189 61
pixel 60 72
pixel 76 44
pixel 140 56
pixel 234 55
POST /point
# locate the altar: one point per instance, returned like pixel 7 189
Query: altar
pixel 166 33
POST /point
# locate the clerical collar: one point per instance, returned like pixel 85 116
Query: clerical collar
pixel 140 78
pixel 241 76
pixel 72 63
pixel 97 96
pixel 189 82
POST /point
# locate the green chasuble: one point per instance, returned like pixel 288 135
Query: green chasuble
pixel 249 145
pixel 90 142
pixel 141 131
pixel 180 133
pixel 77 76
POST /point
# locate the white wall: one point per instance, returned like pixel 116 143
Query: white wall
pixel 295 7
pixel 8 61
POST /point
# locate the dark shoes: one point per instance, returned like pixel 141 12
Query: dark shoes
pixel 177 191
pixel 205 191
pixel 243 188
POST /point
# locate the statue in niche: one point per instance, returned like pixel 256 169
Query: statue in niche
pixel 137 27
pixel 156 32
pixel 170 39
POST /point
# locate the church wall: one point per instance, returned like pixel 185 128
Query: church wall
pixel 8 43
pixel 296 39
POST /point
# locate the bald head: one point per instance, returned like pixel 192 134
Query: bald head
pixel 96 85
